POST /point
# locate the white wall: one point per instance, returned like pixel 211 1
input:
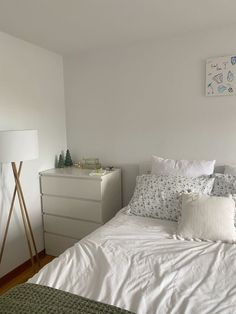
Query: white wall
pixel 125 104
pixel 31 97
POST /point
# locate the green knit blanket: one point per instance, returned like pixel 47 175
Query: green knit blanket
pixel 31 298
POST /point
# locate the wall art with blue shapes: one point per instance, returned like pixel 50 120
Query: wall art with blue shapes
pixel 221 76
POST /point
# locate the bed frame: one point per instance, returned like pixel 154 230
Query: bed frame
pixel 145 167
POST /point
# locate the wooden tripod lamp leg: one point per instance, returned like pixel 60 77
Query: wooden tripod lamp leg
pixel 9 216
pixel 24 209
pixel 25 225
pixel 11 151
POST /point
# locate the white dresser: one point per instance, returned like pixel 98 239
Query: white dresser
pixel 74 204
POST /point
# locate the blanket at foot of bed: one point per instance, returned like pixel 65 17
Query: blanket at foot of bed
pixel 32 298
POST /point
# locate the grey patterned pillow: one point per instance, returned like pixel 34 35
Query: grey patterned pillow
pixel 160 196
pixel 225 185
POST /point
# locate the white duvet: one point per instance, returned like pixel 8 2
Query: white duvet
pixel 131 262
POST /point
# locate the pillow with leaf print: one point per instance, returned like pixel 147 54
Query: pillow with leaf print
pixel 225 185
pixel 160 196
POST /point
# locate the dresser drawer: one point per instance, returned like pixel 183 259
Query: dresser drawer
pixel 69 227
pixel 72 208
pixel 55 244
pixel 74 204
pixel 71 187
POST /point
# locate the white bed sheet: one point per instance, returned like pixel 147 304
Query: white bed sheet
pixel 131 262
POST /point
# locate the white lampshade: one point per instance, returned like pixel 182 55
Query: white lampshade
pixel 18 145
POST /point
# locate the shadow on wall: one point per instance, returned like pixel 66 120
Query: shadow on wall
pixel 16 249
pixel 5 197
pixel 129 173
pixel 12 256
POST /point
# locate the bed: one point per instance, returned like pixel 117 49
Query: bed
pixel 140 264
pixel 134 263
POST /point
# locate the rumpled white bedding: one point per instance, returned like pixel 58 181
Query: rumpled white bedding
pixel 131 262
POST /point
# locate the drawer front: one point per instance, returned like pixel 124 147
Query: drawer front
pixel 74 208
pixel 71 187
pixel 69 227
pixel 56 245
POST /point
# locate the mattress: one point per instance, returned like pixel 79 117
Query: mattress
pixel 133 263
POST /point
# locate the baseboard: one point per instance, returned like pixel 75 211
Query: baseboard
pixel 15 272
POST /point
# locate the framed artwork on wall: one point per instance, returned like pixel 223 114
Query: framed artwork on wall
pixel 221 76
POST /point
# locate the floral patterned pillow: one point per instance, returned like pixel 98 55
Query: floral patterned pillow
pixel 160 196
pixel 225 185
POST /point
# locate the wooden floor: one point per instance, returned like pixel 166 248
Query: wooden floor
pixel 25 275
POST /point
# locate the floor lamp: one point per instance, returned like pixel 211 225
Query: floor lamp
pixel 19 146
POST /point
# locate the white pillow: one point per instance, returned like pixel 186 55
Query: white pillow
pixel 209 218
pixel 185 168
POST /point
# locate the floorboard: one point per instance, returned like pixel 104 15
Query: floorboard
pixel 25 275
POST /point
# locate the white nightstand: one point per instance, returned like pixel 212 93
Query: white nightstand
pixel 75 204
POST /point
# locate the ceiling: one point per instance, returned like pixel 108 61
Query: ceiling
pixel 70 26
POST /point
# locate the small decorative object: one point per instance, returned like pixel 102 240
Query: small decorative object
pixel 221 76
pixel 60 162
pixel 91 163
pixel 77 165
pixel 98 172
pixel 68 161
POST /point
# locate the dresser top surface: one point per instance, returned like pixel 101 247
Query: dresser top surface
pixel 75 172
